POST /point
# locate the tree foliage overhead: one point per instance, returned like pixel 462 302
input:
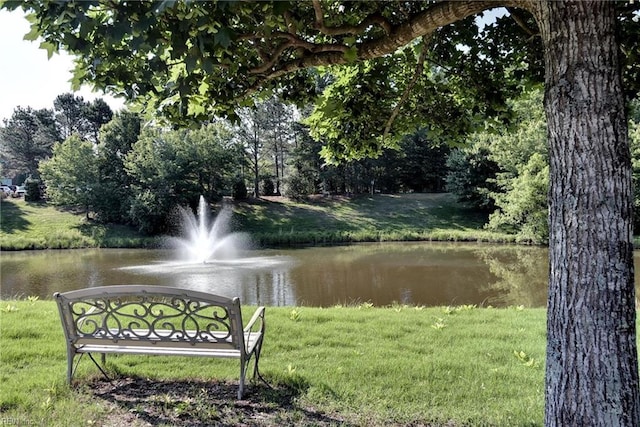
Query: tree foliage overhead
pixel 371 105
pixel 201 58
pixel 194 60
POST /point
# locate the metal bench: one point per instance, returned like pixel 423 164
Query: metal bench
pixel 158 320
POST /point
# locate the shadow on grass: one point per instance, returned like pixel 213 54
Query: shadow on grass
pixel 385 212
pixel 116 235
pixel 12 217
pixel 205 403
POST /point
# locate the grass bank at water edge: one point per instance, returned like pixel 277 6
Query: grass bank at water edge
pixel 274 221
pixel 30 225
pixel 358 366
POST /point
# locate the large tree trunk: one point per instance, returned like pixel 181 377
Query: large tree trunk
pixel 592 367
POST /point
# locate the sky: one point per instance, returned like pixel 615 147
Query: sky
pixel 27 77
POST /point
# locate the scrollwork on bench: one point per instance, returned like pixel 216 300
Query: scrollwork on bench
pixel 172 319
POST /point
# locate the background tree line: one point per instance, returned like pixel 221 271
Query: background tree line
pixel 28 136
pixel 119 171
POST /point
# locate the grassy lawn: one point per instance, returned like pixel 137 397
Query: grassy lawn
pixel 382 217
pixel 271 221
pixel 359 366
pixel 29 225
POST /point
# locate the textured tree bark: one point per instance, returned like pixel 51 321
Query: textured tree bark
pixel 592 367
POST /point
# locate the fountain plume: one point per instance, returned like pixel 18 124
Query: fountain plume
pixel 206 239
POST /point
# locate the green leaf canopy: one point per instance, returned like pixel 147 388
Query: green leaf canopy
pixel 191 61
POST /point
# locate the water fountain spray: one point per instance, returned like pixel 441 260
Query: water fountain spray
pixel 205 239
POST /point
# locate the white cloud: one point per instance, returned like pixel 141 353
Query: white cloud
pixel 27 77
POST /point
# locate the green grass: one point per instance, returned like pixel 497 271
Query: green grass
pixel 359 365
pixel 29 225
pixel 383 217
pixel 270 221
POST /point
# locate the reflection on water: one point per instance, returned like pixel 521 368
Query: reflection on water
pixel 252 278
pixel 521 274
pixel 430 274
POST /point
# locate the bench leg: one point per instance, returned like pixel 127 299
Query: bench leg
pixel 255 364
pixel 244 364
pixel 98 365
pixel 243 369
pixel 70 357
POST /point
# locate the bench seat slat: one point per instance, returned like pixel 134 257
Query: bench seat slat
pixel 250 339
pixel 158 351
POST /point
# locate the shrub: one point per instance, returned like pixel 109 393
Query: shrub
pixel 149 212
pixel 239 190
pixel 33 192
pixel 268 187
pixel 297 186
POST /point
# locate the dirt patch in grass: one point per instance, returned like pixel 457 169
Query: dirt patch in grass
pixel 136 402
pixel 144 402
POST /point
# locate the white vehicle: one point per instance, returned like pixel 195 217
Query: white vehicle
pixel 5 189
pixel 19 191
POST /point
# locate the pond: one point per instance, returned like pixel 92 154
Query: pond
pixel 423 273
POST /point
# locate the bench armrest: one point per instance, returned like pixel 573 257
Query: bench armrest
pixel 253 344
pixel 259 314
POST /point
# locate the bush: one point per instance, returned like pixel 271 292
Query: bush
pixel 297 186
pixel 523 209
pixel 268 187
pixel 239 190
pixel 149 212
pixel 32 188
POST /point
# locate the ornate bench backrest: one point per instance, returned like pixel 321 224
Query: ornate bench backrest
pixel 158 315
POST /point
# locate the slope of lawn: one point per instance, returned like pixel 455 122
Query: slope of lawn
pixel 30 225
pixel 383 217
pixel 271 221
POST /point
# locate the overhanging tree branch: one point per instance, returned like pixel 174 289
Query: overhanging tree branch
pixel 407 90
pixel 292 41
pixel 521 22
pixel 420 25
